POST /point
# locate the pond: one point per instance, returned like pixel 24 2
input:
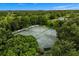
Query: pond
pixel 45 36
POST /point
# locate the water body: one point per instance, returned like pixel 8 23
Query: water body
pixel 45 37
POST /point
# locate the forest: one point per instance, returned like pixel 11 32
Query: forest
pixel 67 43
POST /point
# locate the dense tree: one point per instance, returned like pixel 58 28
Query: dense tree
pixel 4 36
pixel 22 45
pixel 34 19
pixel 42 20
pixel 63 47
pixel 18 45
pixel 70 31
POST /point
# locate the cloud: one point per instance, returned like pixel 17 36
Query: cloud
pixel 67 7
pixel 20 4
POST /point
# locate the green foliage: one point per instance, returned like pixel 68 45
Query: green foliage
pixel 70 31
pixel 11 45
pixel 22 45
pixel 57 24
pixel 10 53
pixel 62 47
pixel 34 19
pixel 4 36
pixel 72 52
pixel 42 20
pixel 67 32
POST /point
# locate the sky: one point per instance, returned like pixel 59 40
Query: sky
pixel 39 6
